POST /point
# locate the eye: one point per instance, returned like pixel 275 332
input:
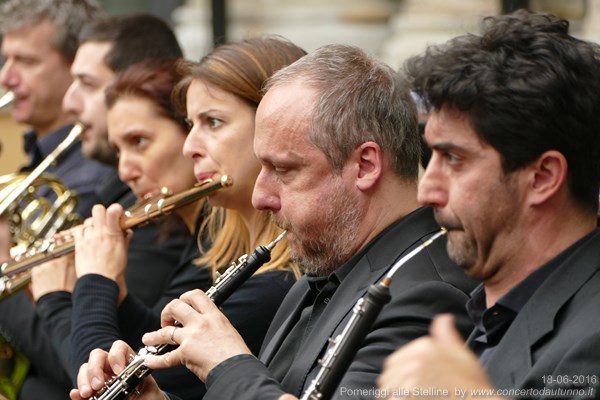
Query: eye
pixel 138 142
pixel 27 60
pixel 141 141
pixel 451 157
pixel 214 122
pixel 280 170
pixel 87 84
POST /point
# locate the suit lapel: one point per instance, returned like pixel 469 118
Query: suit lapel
pixel 369 269
pixel 511 361
pixel 286 317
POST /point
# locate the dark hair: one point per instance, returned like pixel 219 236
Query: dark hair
pixel 360 99
pixel 239 68
pixel 152 79
pixel 527 87
pixel 68 17
pixel 134 38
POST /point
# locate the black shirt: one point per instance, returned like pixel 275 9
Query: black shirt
pixel 322 288
pixel 491 324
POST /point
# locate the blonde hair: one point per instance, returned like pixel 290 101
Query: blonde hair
pixel 240 68
pixel 229 239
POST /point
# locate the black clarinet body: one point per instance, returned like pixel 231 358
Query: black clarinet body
pixel 343 348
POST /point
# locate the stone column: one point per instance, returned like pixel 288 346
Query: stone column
pixel 192 25
pixel 308 23
pixel 418 23
pixel 591 22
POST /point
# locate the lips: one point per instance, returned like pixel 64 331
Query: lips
pixel 202 176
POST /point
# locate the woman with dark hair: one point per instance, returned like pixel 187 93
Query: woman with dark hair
pixel 148 134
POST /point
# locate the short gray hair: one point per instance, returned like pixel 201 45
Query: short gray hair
pixel 360 99
pixel 69 17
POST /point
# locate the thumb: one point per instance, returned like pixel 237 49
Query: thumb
pixel 287 397
pixel 443 330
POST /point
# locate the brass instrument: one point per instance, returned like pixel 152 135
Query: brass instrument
pixel 344 346
pixel 124 384
pixel 6 99
pixel 16 273
pixel 32 218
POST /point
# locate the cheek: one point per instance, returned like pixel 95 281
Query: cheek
pixel 300 209
pixel 180 170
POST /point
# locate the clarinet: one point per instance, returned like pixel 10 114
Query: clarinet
pixel 343 347
pixel 126 383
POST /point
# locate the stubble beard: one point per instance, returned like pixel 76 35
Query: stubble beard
pixel 103 152
pixel 462 250
pixel 323 246
pixel 460 247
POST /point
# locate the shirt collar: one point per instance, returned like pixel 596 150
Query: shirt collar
pixel 518 296
pixel 48 142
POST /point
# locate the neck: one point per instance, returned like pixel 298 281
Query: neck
pixel 394 201
pixel 540 239
pixel 190 213
pixel 42 130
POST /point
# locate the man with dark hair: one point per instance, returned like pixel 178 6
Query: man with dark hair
pixel 514 177
pixel 39 41
pixel 108 46
pixel 336 135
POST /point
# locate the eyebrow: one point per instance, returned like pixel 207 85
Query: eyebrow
pixel 445 146
pixel 203 114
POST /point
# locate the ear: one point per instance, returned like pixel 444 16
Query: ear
pixel 549 176
pixel 370 163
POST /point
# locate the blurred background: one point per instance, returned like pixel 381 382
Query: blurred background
pixel 391 30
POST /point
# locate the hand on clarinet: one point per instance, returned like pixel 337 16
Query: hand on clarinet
pixel 101 246
pixel 102 366
pixel 439 360
pixel 205 340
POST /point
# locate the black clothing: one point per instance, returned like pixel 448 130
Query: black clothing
pixel 553 344
pixel 75 171
pixel 43 332
pixel 250 309
pixel 491 324
pixel 425 286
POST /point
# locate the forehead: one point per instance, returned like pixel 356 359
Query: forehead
pixel 37 37
pixel 449 125
pixel 283 121
pixel 129 111
pixel 201 94
pixel 289 107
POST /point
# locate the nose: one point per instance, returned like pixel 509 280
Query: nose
pixel 128 169
pixel 193 146
pixel 264 196
pixel 9 77
pixel 432 187
pixel 72 100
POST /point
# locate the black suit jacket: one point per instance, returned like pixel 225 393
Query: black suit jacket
pixel 427 285
pixel 554 342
